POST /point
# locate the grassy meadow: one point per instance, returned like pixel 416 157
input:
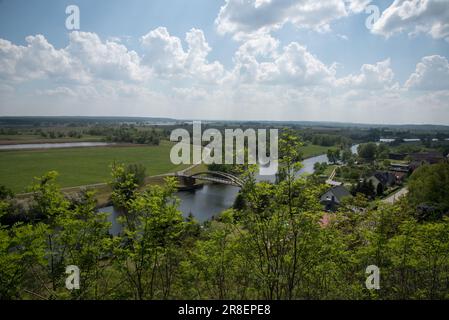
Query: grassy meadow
pixel 312 150
pixel 80 166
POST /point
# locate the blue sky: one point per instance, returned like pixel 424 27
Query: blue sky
pixel 256 59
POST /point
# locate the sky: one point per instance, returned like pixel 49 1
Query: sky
pixel 359 61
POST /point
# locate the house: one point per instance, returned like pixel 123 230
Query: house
pixel 399 167
pixel 385 179
pixel 397 156
pixel 426 157
pixel 333 197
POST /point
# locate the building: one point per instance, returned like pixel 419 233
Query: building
pixel 420 158
pixel 382 180
pixel 333 197
pixel 400 167
pixel 397 156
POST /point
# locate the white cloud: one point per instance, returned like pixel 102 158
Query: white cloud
pixel 166 55
pixel 294 65
pixel 415 16
pixel 371 77
pixel 106 60
pixel 58 91
pixel 432 73
pixel 252 16
pixel 39 59
pixel 84 59
pixel 358 5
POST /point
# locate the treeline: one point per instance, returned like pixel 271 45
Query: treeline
pixel 328 140
pixel 129 134
pixel 277 245
pixel 60 134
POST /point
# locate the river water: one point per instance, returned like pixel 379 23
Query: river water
pixel 212 199
pixel 53 145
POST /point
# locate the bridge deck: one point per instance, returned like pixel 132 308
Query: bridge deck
pixel 233 181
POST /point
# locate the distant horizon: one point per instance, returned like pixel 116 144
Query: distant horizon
pixel 227 120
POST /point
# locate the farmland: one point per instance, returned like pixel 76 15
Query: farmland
pixel 311 150
pixel 80 166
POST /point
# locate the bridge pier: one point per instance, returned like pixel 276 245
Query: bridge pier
pixel 187 181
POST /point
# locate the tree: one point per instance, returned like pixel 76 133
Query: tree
pixel 138 171
pixel 382 151
pixel 5 193
pixel 333 155
pixel 149 254
pixel 83 233
pixel 367 151
pixel 428 185
pixel 21 247
pixel 346 156
pixel 124 186
pixel 380 189
pixel 364 187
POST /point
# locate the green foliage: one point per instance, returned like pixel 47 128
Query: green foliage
pixel 366 188
pixel 428 185
pixel 124 185
pixel 319 168
pixel 330 140
pixel 149 258
pixel 138 171
pixel 333 156
pixel 382 151
pixel 367 151
pixel 5 193
pixel 347 156
pixel 132 135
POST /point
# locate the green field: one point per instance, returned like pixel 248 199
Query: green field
pixel 312 150
pixel 79 166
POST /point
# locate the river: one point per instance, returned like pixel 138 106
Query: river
pixel 212 199
pixel 53 145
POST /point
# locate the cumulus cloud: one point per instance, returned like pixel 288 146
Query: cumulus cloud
pixel 293 65
pixel 358 5
pixel 252 16
pixel 432 73
pixel 415 16
pixel 166 56
pixel 106 60
pixel 371 77
pixel 84 59
pixel 38 59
